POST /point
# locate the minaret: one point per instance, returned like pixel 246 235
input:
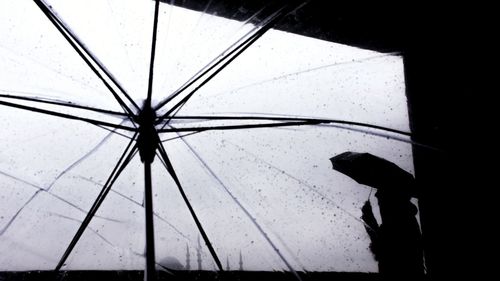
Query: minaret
pixel 198 253
pixel 188 260
pixel 227 264
pixel 241 261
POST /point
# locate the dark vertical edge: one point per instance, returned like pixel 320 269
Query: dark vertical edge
pixel 153 50
pixel 150 273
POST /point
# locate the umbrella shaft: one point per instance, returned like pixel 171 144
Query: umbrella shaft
pixel 150 273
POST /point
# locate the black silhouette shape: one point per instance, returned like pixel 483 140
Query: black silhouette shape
pixel 396 243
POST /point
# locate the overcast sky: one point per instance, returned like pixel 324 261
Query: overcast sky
pixel 241 183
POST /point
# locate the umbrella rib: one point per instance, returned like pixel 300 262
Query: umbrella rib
pixel 172 173
pixel 91 55
pixel 240 205
pixel 153 50
pixel 231 56
pixel 119 167
pixel 78 47
pixel 315 121
pixel 306 122
pixel 66 116
pixel 204 70
pixel 238 127
pixel 64 104
pixel 300 122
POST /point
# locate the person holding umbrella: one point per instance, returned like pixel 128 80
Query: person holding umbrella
pixel 396 243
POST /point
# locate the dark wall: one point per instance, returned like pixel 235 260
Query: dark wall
pixel 374 25
pixel 443 103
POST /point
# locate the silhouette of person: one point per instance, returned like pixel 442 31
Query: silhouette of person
pixel 396 243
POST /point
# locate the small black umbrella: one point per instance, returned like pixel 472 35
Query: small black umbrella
pixel 374 171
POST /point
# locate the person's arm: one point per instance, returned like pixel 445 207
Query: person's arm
pixel 371 226
pixel 368 217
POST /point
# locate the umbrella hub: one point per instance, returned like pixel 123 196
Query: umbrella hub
pixel 148 138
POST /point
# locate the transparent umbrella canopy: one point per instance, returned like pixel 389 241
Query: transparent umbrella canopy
pixel 142 132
